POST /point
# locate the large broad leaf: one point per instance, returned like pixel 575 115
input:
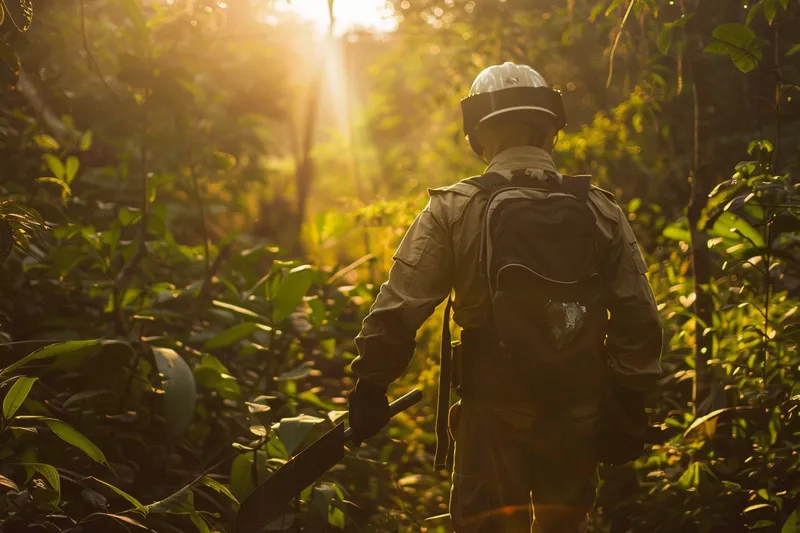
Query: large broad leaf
pixel 290 291
pixel 738 42
pixel 54 350
pixel 731 227
pixel 242 482
pixel 293 431
pixel 180 389
pixel 17 395
pixel 76 438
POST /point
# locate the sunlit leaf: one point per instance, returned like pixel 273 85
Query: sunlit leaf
pixel 293 431
pixel 46 141
pixel 219 487
pixel 16 395
pixel 136 503
pixel 298 372
pixel 180 389
pixel 50 474
pixel 85 142
pixel 291 290
pixel 6 482
pixel 179 502
pixel 224 161
pixel 77 439
pixel 242 480
pixel 770 10
pixel 71 168
pixel 65 188
pixel 233 335
pixel 55 165
pixel 793 50
pixel 54 350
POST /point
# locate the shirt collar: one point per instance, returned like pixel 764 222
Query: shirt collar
pixel 530 158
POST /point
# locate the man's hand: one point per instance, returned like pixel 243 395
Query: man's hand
pixel 369 410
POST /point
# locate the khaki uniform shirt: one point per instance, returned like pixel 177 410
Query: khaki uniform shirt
pixel 440 253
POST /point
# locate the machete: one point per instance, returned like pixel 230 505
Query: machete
pixel 270 499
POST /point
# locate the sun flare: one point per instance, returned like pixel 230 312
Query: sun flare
pixel 369 14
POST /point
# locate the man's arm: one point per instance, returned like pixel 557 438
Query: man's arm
pixel 635 332
pixel 420 278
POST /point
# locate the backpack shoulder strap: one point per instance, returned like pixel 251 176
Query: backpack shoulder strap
pixel 443 400
pixel 488 181
pixel 578 186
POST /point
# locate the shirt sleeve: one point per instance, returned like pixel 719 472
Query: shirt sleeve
pixel 420 278
pixel 634 337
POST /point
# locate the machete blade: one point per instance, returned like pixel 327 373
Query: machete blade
pixel 272 497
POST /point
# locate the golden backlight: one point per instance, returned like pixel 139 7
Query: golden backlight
pixel 348 14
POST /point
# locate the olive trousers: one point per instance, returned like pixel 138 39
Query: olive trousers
pixel 517 470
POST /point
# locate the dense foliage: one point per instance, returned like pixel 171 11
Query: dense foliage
pixel 199 199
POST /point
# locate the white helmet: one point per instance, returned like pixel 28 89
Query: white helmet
pixel 510 88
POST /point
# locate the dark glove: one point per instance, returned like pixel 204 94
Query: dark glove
pixel 369 410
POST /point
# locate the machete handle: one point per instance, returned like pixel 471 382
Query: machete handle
pixel 398 406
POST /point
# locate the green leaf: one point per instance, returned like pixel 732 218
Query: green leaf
pixel 791 525
pixel 198 522
pixel 634 205
pixel 793 50
pixel 236 309
pixel 5 482
pixel 664 40
pixel 224 160
pixel 219 487
pixel 19 391
pixel 54 350
pixel 242 482
pixel 180 389
pixel 677 232
pixel 770 10
pixel 293 431
pixel 85 143
pixel 65 189
pixel 129 215
pixel 234 334
pixel 754 11
pixel 180 502
pixel 50 474
pixel 291 290
pixel 76 438
pixel 45 141
pixel 728 226
pixel 136 503
pixel 55 165
pixel 738 42
pixel 71 168
pixel 298 372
